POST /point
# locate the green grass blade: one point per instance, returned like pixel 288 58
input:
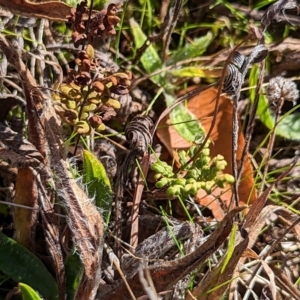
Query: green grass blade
pixel 263 3
pixel 22 266
pixel 230 247
pixel 184 122
pixel 191 50
pixel 150 58
pixel 74 271
pixel 98 183
pixel 28 293
pixel 200 71
pixel 170 229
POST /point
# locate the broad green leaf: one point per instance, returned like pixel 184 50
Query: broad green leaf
pixel 191 50
pixel 98 183
pixel 28 293
pixel 263 110
pixel 22 266
pixel 289 125
pixel 4 210
pixel 150 58
pixel 230 249
pixel 184 122
pixel 74 270
pixel 201 71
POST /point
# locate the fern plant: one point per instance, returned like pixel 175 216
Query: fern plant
pixel 203 173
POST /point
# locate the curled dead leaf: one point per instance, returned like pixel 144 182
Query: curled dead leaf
pixel 52 10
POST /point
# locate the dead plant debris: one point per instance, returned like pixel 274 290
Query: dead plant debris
pixel 126 170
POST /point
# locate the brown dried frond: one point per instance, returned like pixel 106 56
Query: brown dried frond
pixel 91 92
pixel 83 78
pixel 101 25
pixel 138 133
pixel 108 113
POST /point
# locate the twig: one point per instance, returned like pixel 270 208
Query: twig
pixel 115 261
pixel 269 150
pixel 147 285
pixel 168 26
pixel 137 201
pixel 237 71
pixel 139 137
pixel 17 205
pixel 251 122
